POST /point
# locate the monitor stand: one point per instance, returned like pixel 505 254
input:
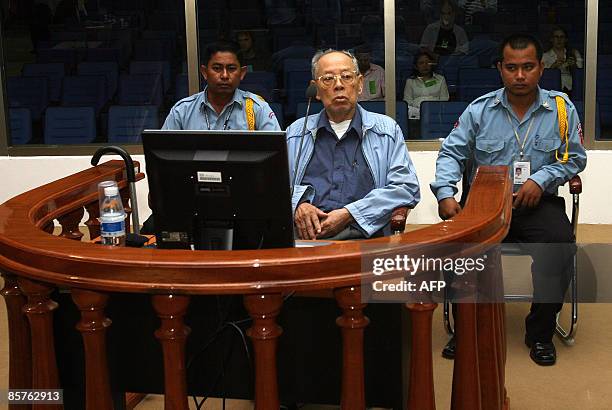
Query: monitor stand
pixel 213 236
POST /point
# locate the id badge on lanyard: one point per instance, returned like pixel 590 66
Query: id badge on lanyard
pixel 521 163
pixel 521 170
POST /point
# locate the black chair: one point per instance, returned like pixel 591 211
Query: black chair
pixel 567 335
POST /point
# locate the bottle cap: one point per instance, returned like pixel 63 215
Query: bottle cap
pixel 111 191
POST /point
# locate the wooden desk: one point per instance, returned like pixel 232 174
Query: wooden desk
pixel 33 263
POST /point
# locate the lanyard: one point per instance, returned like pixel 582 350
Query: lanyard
pixel 518 139
pixel 227 117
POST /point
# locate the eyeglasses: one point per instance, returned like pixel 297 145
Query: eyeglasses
pixel 346 78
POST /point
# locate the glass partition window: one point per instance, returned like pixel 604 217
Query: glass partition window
pixel 446 54
pixel 278 39
pixel 84 71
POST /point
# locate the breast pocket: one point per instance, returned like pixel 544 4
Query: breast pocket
pixel 489 150
pixel 546 144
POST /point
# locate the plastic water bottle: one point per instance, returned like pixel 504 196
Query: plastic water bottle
pixel 112 218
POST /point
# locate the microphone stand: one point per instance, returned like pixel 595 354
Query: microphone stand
pixel 311 91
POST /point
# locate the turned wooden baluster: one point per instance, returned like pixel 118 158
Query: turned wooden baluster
pixel 20 359
pixel 93 223
pixel 93 326
pixel 421 393
pixel 264 334
pixel 70 224
pixel 466 377
pixel 352 323
pixel 39 310
pixel 172 335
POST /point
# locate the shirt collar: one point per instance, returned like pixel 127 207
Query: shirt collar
pixel 541 99
pixel 235 99
pixel 355 122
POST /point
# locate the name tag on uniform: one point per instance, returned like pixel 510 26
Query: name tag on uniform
pixel 430 83
pixel 372 86
pixel 521 169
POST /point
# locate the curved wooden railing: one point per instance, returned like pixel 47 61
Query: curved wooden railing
pixel 34 262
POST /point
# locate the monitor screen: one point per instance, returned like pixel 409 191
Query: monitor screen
pixel 219 189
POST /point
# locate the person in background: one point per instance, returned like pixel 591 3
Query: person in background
pixel 253 58
pixel 373 75
pixel 562 57
pixel 423 85
pixel 444 37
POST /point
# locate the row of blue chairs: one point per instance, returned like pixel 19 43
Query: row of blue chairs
pixel 86 90
pixel 77 125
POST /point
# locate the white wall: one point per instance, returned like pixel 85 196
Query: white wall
pixel 21 174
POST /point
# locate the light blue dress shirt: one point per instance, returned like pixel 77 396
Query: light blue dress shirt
pixel 484 135
pixel 191 113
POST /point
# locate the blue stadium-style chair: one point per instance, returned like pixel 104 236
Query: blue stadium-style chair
pixel 54 72
pixel 28 92
pixel 104 54
pixel 126 123
pixel 265 78
pixel 108 69
pixel 84 91
pixel 157 49
pixel 401 112
pixel 140 89
pixel 474 82
pixel 315 108
pixel 580 109
pixel 604 96
pixel 551 79
pixel 294 64
pixel 67 56
pixel 181 87
pixel 439 117
pixel 153 67
pixel 278 111
pixel 20 120
pixel 297 82
pixel 450 66
pixel 70 125
pixel 578 84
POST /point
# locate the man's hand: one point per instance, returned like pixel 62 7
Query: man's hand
pixel 448 207
pixel 335 221
pixel 527 196
pixel 307 220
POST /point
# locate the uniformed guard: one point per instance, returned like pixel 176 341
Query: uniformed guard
pixel 537 134
pixel 222 105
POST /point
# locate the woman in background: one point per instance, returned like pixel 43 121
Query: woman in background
pixel 423 85
pixel 562 57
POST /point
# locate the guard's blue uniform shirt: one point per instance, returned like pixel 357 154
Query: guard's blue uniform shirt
pixel 337 170
pixel 484 135
pixel 190 114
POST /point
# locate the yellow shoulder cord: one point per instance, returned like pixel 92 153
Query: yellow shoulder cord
pixel 563 129
pixel 250 114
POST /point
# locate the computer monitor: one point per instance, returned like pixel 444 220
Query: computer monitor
pixel 219 189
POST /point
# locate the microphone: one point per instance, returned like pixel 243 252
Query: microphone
pixel 311 92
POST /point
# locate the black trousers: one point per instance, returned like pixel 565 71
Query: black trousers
pixel 545 233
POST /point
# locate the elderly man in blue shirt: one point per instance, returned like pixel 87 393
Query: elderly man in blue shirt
pixel 222 105
pixel 519 126
pixel 353 166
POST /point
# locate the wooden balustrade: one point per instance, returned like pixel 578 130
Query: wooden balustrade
pixel 33 263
